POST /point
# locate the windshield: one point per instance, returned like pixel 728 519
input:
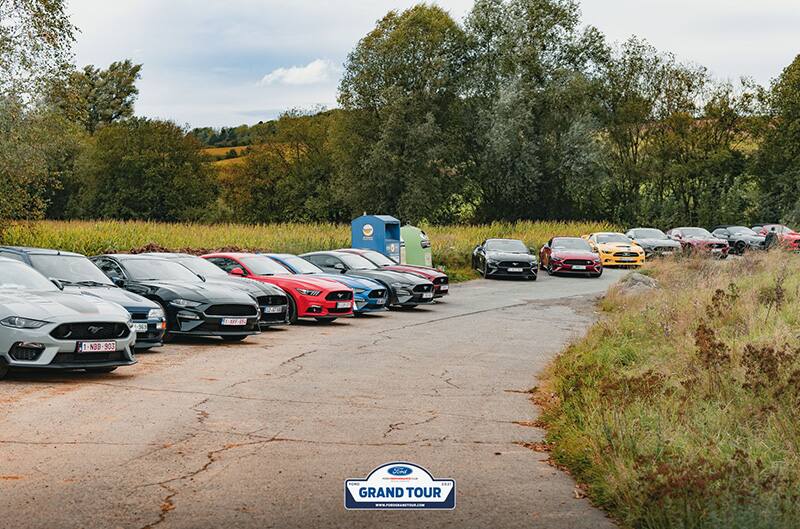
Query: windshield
pixel 604 238
pixel 200 266
pixel 506 245
pixel 70 269
pixel 300 265
pixel 18 276
pixel 160 269
pixel 649 233
pixel 741 230
pixel 264 266
pixel 696 233
pixel 378 258
pixel 571 244
pixel 356 262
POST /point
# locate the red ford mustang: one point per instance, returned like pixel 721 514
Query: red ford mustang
pixel 700 240
pixel 571 255
pixel 787 237
pixel 309 297
pixel 441 283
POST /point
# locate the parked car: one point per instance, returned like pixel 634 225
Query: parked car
pixel 272 301
pixel 616 249
pixel 79 275
pixel 309 297
pixel 699 240
pixel 441 283
pixel 785 236
pixel 654 242
pixel 369 295
pixel 43 327
pixel 740 238
pixel 570 255
pixel 504 258
pixel 405 290
pixel 193 307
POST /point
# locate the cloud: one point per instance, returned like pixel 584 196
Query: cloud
pixel 315 72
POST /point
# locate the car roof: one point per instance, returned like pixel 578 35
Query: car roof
pixel 235 255
pixel 40 251
pixel 609 233
pixel 131 256
pixel 167 255
pixel 279 255
pixel 568 237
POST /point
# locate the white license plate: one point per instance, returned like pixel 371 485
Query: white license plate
pixel 234 322
pixel 343 305
pixel 274 309
pixel 515 269
pixel 97 347
pixel 427 295
pixel 578 267
pixel 140 327
pixel 444 288
pixel 627 260
pixel 380 301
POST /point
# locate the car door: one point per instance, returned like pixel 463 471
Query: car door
pixel 329 263
pixel 229 264
pixel 111 269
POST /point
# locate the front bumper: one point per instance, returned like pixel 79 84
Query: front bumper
pixel 650 252
pixel 319 307
pixel 403 297
pixel 52 353
pixel 274 314
pixel 365 303
pixel 195 322
pixel 615 260
pixel 526 270
pixel 441 287
pixel 564 267
pixel 153 336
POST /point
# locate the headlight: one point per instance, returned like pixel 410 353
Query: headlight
pixel 359 290
pixel 18 322
pixel 307 292
pixel 130 321
pixel 400 285
pixel 185 303
pixel 155 314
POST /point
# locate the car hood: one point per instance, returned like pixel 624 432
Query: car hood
pixel 311 282
pixel 704 240
pixel 658 242
pixel 389 277
pixel 424 271
pixel 249 286
pixel 618 246
pixel 129 300
pixel 59 306
pixel 510 256
pixel 202 292
pixel 350 281
pixel 574 254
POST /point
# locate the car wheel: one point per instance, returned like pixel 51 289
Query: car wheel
pixel 100 370
pixel 236 338
pixel 325 321
pixel 550 270
pixel 168 336
pixel 598 274
pixel 483 272
pixel 740 248
pixel 3 370
pixel 292 311
pixel 534 277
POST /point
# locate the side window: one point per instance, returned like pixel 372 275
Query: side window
pixel 329 261
pixel 315 259
pixel 109 268
pixel 12 255
pixel 225 263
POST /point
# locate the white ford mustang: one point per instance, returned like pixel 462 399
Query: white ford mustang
pixel 43 327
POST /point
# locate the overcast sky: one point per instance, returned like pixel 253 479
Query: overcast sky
pixel 228 62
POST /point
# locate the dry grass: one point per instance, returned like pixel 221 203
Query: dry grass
pixel 681 407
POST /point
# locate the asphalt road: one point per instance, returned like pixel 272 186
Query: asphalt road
pixel 263 433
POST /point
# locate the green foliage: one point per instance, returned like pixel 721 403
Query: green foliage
pixel 94 97
pixel 145 169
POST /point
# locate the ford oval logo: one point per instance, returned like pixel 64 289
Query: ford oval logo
pixel 399 471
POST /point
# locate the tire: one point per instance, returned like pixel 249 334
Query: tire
pixel 534 277
pixel 235 338
pixel 292 311
pixel 3 370
pixel 740 248
pixel 325 321
pixel 483 272
pixel 550 270
pixel 597 274
pixel 168 336
pixel 100 370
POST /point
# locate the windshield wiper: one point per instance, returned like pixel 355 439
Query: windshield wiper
pixel 66 281
pixel 92 284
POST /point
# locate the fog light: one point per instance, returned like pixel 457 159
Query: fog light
pixel 26 351
pixel 188 316
pixel 315 309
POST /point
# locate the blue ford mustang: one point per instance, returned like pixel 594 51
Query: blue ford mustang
pixel 369 295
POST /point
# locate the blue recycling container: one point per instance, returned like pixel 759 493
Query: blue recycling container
pixel 377 232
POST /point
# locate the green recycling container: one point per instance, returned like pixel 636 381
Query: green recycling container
pixel 418 246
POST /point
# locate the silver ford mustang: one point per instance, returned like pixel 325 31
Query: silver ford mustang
pixel 43 327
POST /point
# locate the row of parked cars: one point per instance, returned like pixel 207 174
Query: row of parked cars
pixel 588 255
pixel 63 310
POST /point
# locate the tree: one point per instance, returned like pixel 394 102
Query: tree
pixel 399 144
pixel 94 97
pixel 146 169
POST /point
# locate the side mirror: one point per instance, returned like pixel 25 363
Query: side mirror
pixel 340 267
pixel 118 281
pixel 57 283
pixel 237 272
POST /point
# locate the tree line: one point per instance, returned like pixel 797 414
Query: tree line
pixel 517 112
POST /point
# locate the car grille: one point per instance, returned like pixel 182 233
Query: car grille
pixel 272 300
pixel 441 280
pixel 423 288
pixel 340 295
pixel 232 310
pixel 273 316
pixel 514 264
pixel 626 254
pixel 340 311
pixel 140 316
pixel 213 327
pixel 87 358
pixel 378 293
pixel 90 331
pixel 578 262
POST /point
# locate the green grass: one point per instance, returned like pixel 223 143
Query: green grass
pixel 452 245
pixel 680 408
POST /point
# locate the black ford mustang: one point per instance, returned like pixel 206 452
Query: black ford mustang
pixel 272 301
pixel 405 290
pixel 504 258
pixel 193 306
